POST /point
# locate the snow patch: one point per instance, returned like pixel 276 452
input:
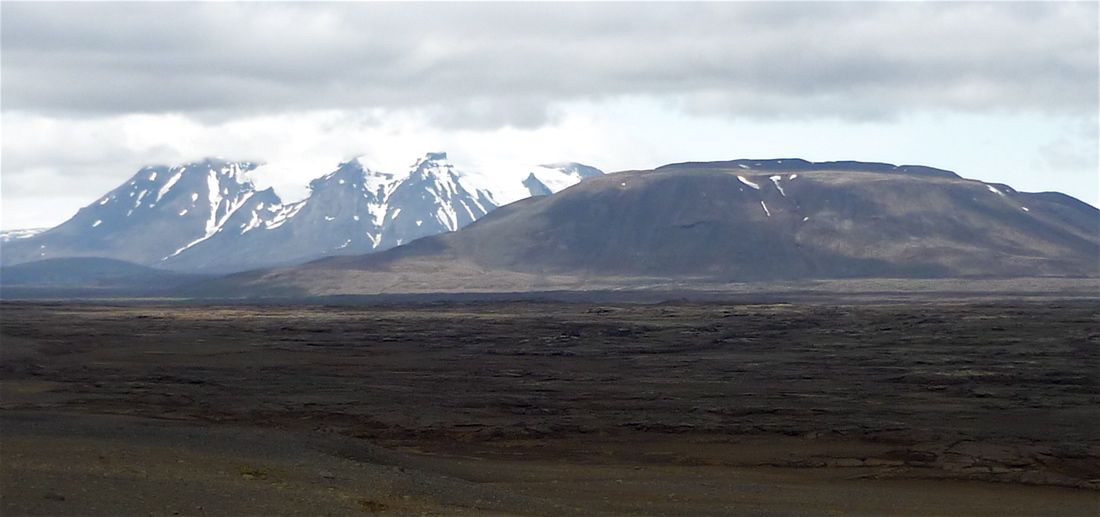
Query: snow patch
pixel 256 221
pixel 374 239
pixel 329 218
pixel 995 191
pixel 285 214
pixel 379 184
pixel 447 216
pixel 1024 208
pixel 97 223
pixel 104 201
pixel 220 207
pixel 170 183
pixel 775 179
pixel 749 183
pixel 769 214
pixel 469 212
pixel 215 198
pixel 184 211
pixel 378 213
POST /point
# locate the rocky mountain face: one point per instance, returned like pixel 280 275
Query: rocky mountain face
pixel 158 213
pixel 745 221
pixel 210 217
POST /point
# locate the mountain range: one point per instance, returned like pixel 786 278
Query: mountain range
pixel 434 228
pixel 209 217
pixel 721 222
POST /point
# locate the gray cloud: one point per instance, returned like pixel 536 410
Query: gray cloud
pixel 487 64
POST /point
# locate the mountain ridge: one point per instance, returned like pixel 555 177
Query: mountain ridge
pixel 208 216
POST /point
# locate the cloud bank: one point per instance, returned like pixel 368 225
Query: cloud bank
pixel 91 91
pixel 489 64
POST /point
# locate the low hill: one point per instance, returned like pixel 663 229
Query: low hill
pixel 87 276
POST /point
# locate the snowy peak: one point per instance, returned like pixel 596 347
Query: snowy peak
pixel 574 169
pixel 201 194
pixel 431 161
pixel 212 191
pixel 352 209
pixel 211 187
pixel 553 178
pixel 356 177
pixel 226 191
pixel 435 172
pixel 352 192
pixel 435 197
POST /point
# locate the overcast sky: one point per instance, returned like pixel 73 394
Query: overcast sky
pixel 1002 92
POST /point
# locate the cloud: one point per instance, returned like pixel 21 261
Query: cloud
pixel 1073 150
pixel 491 65
pixel 92 91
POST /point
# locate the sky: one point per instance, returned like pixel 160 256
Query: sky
pixel 90 92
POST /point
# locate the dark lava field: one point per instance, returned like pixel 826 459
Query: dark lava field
pixel 528 403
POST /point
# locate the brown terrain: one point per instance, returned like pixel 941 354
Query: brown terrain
pixel 546 408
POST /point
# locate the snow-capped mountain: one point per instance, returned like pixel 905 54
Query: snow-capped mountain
pixel 159 212
pixel 353 209
pixel 209 216
pixel 549 179
pixel 433 198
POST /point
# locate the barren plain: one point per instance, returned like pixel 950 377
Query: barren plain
pixel 548 408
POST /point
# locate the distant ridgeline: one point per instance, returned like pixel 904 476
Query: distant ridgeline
pixel 208 216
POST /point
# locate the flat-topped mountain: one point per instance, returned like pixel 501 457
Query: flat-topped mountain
pixel 734 221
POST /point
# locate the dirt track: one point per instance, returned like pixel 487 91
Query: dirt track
pixel 544 408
